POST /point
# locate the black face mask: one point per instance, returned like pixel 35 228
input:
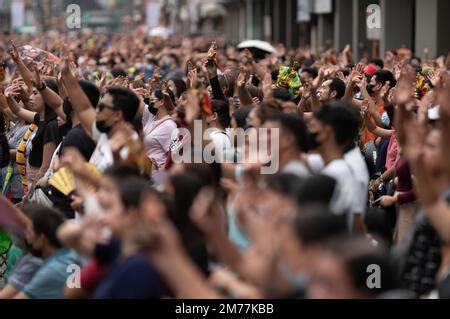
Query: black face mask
pixel 35 252
pixel 151 107
pixel 102 127
pixel 311 141
pixel 369 88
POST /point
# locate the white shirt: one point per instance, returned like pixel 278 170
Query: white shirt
pixel 352 177
pixel 358 173
pixel 223 146
pixel 296 168
pixel 343 196
pixel 102 157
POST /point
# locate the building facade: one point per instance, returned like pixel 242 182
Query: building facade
pixel 320 24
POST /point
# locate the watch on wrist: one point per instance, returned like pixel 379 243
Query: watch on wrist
pixel 42 86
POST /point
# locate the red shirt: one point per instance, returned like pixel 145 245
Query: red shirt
pixel 92 274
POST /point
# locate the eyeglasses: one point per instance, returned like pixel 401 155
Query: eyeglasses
pixel 101 106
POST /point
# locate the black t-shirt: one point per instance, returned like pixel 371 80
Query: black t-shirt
pixel 77 137
pixel 47 131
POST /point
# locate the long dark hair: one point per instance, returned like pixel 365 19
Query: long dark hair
pixel 49 113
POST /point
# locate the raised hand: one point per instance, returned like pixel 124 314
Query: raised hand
pixel 397 70
pixel 356 73
pixel 242 78
pixel 141 92
pixel 155 80
pixel 434 77
pixel 267 84
pixel 64 64
pixel 24 95
pixel 212 52
pixel 384 92
pixel 347 49
pixel 361 82
pixel 120 135
pixel 341 76
pixel 412 139
pixel 73 159
pixel 14 53
pixel 12 91
pixel 101 80
pixel 36 80
pixel 365 109
pixel 73 69
pixel 165 88
pixel 405 86
pixel 443 95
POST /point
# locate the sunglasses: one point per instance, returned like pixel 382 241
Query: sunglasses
pixel 102 106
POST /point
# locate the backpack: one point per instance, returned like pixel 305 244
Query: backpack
pixel 4 151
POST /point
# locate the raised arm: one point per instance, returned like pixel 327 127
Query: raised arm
pixel 381 132
pixel 26 74
pixel 211 67
pixel 436 209
pixel 443 98
pixel 355 75
pixel 179 272
pixel 11 93
pixel 80 102
pixel 241 82
pixel 4 108
pixel 50 97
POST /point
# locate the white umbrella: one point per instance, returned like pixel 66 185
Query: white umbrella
pixel 257 44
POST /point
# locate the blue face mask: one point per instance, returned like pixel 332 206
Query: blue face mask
pixel 234 233
pixel 298 281
pixel 385 119
pixel 166 63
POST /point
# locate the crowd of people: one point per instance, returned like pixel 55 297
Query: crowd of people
pixel 96 205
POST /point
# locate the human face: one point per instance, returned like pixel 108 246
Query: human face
pixel 323 93
pixel 35 243
pixel 253 119
pixel 433 152
pixel 108 197
pixel 106 112
pixel 306 77
pixel 329 280
pixel 60 121
pixel 36 102
pixel 320 132
pixel 151 209
pixel 376 86
pixel 157 103
pixel 172 87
